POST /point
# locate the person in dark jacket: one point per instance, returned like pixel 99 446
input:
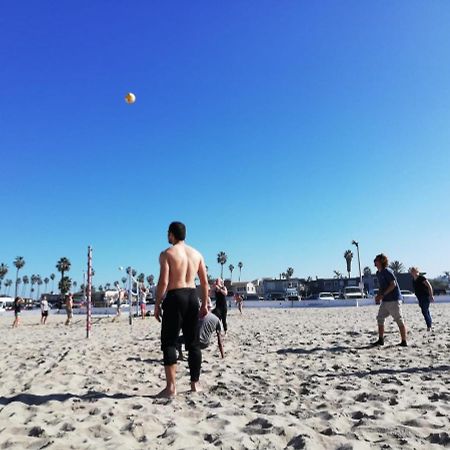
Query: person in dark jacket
pixel 424 293
pixel 18 302
pixel 221 309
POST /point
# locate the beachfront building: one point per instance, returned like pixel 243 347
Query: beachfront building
pixel 278 287
pixel 241 287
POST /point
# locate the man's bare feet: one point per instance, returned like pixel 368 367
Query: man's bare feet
pixel 195 386
pixel 166 393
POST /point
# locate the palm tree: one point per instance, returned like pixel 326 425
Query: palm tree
pixel 74 284
pixel 308 285
pixel 100 288
pixel 63 265
pixel 221 259
pixel 3 272
pixel 231 268
pixel 397 267
pixel 367 271
pixel 124 280
pixel 7 284
pixel 337 274
pixel 39 284
pixel 64 285
pixel 289 272
pixel 52 277
pixel 46 281
pixel 150 280
pixel 240 266
pixel 32 283
pixel 25 281
pixel 19 262
pixel 141 278
pixel 348 255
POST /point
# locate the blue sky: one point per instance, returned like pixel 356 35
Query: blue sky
pixel 277 131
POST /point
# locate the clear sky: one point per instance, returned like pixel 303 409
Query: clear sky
pixel 278 131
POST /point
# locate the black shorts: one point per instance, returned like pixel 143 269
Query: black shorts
pixel 44 313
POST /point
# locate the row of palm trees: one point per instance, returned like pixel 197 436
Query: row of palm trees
pixel 222 259
pixel 65 284
pixel 63 266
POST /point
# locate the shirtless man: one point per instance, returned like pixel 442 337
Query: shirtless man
pixel 179 265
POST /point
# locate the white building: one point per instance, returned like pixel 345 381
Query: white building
pixel 242 288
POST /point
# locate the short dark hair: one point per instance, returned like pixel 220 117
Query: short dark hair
pixel 178 230
pixel 383 260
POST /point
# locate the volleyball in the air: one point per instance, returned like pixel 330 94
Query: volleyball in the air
pixel 130 98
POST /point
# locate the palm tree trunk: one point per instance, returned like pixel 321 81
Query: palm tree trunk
pixel 221 271
pixel 17 277
pixel 240 275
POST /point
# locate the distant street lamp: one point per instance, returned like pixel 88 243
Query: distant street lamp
pixel 361 286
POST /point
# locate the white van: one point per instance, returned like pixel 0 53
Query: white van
pixel 352 292
pixel 6 303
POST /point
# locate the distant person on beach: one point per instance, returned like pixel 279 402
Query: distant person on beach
pixel 239 300
pixel 118 302
pixel 207 326
pixel 389 298
pixel 18 302
pixel 44 310
pixel 221 309
pixel 179 266
pixel 424 294
pixel 143 301
pixel 69 308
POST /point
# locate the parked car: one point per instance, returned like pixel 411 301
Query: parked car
pixel 408 294
pixel 325 296
pixel 374 293
pixel 277 296
pixel 336 295
pixel 252 297
pixel 352 292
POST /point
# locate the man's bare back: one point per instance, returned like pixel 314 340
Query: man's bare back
pixel 183 263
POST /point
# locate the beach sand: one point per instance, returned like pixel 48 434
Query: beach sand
pixel 297 379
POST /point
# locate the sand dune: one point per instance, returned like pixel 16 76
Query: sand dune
pixel 296 379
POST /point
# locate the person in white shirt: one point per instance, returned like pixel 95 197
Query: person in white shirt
pixel 44 310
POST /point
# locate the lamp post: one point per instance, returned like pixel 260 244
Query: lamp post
pixel 356 244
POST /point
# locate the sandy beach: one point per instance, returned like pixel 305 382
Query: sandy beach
pixel 296 379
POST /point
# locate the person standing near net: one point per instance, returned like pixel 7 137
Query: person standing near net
pixel 221 309
pixel 178 307
pixel 142 300
pixel 69 308
pixel 44 310
pixel 424 294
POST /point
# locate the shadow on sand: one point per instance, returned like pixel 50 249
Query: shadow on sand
pixel 33 399
pixel 385 371
pixel 309 351
pixel 148 360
